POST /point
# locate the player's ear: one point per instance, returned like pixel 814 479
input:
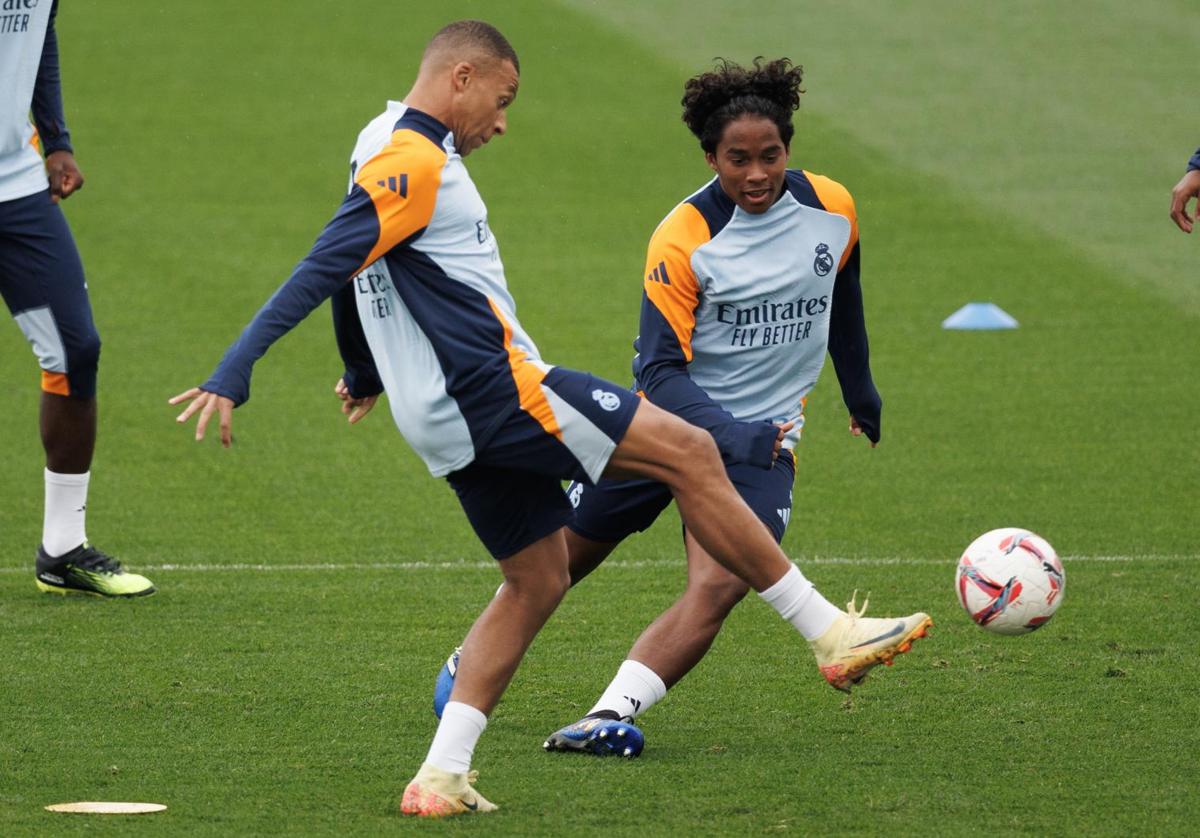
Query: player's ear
pixel 711 160
pixel 461 74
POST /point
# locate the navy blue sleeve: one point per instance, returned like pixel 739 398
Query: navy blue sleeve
pixel 361 376
pixel 47 104
pixel 661 372
pixel 849 350
pixel 1194 163
pixel 338 255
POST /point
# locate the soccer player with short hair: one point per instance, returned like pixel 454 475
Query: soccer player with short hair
pixel 423 313
pixel 1184 191
pixel 42 282
pixel 748 282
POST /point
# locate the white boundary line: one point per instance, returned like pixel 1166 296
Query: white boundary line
pixel 630 564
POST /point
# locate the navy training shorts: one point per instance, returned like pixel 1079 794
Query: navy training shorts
pixel 42 282
pixel 612 510
pixel 512 492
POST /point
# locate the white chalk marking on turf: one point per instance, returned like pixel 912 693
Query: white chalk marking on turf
pixel 98 807
pixel 631 564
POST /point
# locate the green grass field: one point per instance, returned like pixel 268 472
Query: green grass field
pixel 314 577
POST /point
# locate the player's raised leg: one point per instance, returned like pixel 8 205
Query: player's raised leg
pixel 663 447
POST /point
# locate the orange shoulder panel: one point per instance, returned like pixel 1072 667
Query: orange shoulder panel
pixel 670 283
pixel 402 181
pixel 836 198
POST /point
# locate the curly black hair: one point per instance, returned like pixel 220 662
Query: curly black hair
pixel 714 99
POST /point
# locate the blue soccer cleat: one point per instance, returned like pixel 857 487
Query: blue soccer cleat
pixel 445 682
pixel 602 733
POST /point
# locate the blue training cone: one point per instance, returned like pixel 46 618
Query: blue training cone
pixel 980 316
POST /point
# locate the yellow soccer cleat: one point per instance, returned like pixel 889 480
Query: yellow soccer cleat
pixel 85 570
pixel 435 793
pixel 854 644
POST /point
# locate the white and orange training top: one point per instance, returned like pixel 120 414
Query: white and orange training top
pixel 422 307
pixel 739 308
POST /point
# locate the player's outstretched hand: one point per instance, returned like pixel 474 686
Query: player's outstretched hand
pixel 1184 191
pixel 354 408
pixel 856 429
pixel 64 174
pixel 206 403
pixel 779 437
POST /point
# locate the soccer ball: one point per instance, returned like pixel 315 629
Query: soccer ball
pixel 1010 581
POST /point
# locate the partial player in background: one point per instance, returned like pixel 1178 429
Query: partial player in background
pixel 1184 191
pixel 748 282
pixel 42 282
pixel 423 312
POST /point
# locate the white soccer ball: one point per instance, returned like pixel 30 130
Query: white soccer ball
pixel 1010 581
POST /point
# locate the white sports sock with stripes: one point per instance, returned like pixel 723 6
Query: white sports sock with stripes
pixel 634 690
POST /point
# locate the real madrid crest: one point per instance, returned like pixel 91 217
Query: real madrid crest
pixel 608 401
pixel 823 262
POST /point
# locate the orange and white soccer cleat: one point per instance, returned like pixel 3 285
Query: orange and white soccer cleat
pixel 435 793
pixel 855 644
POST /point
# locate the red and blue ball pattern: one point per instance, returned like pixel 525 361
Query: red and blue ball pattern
pixel 1010 581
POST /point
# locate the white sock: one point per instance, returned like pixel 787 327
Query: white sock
pixel 66 507
pixel 454 742
pixel 802 605
pixel 634 691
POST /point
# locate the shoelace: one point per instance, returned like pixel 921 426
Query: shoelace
pixel 94 560
pixel 853 611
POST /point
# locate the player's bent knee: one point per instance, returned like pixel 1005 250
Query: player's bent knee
pixel 557 583
pixel 69 366
pixel 698 451
pixel 83 363
pixel 545 585
pixel 84 355
pixel 542 594
pixel 694 442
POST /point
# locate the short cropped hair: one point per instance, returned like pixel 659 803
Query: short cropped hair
pixel 465 35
